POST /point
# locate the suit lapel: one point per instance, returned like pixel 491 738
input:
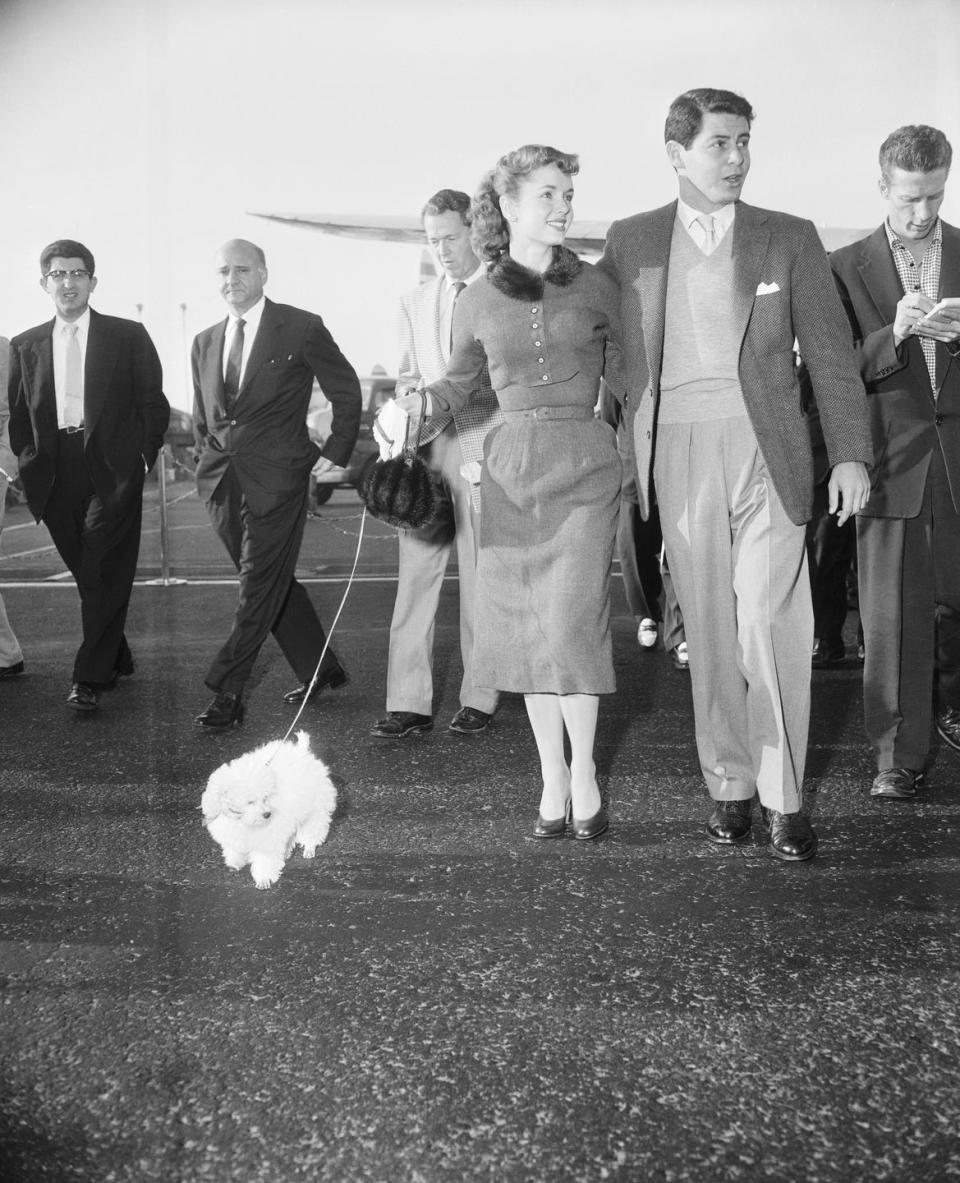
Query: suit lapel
pixel 263 344
pixel 430 310
pixel 751 238
pixel 39 379
pixel 425 315
pixel 949 285
pixel 651 283
pixel 211 368
pixel 879 274
pixel 98 369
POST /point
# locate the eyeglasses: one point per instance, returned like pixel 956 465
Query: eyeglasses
pixel 77 273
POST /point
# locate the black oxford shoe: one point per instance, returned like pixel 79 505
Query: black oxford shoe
pixel 470 721
pixel 730 822
pixel 398 724
pixel 792 838
pixel 82 697
pixel 948 724
pixel 11 671
pixel 896 784
pixel 332 681
pixel 827 654
pixel 225 711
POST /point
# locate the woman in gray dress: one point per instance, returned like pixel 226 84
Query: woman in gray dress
pixel 546 326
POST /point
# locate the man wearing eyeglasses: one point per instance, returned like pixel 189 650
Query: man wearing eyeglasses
pixel 87 417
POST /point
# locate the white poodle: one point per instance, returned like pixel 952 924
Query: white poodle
pixel 260 805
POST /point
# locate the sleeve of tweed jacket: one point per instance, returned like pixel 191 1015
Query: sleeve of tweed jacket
pixel 823 335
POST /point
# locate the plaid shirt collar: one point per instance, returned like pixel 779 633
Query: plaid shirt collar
pixel 922 277
pixel 896 241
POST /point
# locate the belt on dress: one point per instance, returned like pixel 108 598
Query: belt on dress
pixel 550 413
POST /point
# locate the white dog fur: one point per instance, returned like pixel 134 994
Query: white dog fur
pixel 259 806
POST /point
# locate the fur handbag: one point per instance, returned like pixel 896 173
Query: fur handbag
pixel 402 491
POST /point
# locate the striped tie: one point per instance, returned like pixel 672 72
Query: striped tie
pixel 231 375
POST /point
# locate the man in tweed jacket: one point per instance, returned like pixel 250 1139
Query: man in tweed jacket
pixel 713 295
pixel 454 451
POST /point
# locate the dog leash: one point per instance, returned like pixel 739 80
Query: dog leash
pixel 326 644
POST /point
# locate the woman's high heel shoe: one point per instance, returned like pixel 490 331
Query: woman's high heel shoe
pixel 553 829
pixel 592 827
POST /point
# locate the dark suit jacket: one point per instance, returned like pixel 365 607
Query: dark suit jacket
pixel 265 437
pixel 125 412
pixel 797 301
pixel 907 424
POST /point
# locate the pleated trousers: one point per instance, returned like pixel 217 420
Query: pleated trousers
pixel 739 568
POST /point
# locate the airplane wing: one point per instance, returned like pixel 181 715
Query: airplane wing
pixel 586 238
pixel 378 228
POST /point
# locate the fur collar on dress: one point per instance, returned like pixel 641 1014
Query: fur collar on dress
pixel 520 283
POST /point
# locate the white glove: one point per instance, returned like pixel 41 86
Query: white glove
pixel 390 429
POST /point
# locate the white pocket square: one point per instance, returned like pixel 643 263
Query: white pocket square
pixel 767 289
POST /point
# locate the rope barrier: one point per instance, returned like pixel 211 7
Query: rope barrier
pixel 164 503
pixel 330 523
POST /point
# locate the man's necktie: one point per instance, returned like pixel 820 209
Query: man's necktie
pixel 73 378
pixel 709 233
pixel 231 375
pixel 458 287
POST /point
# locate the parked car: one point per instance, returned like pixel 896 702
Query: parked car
pixel 375 391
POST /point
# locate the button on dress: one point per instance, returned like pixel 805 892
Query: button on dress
pixel 550 488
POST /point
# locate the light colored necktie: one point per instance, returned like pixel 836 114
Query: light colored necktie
pixel 709 233
pixel 458 286
pixel 73 378
pixel 231 376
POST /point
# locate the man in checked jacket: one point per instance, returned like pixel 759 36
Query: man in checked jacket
pixel 908 537
pixel 454 451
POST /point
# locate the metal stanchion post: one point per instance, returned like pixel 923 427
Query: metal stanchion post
pixel 164 580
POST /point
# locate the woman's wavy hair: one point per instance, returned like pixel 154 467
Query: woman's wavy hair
pixel 490 231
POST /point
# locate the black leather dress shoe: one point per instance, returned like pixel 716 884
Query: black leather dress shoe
pixel 470 721
pixel 730 822
pixel 397 724
pixel 332 681
pixel 792 838
pixel 11 671
pixel 591 827
pixel 82 697
pixel 948 724
pixel 897 784
pixel 226 710
pixel 827 654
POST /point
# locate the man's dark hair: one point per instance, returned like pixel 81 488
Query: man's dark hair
pixel 915 148
pixel 685 117
pixel 448 201
pixel 65 248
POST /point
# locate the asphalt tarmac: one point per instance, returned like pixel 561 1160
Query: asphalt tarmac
pixel 437 997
